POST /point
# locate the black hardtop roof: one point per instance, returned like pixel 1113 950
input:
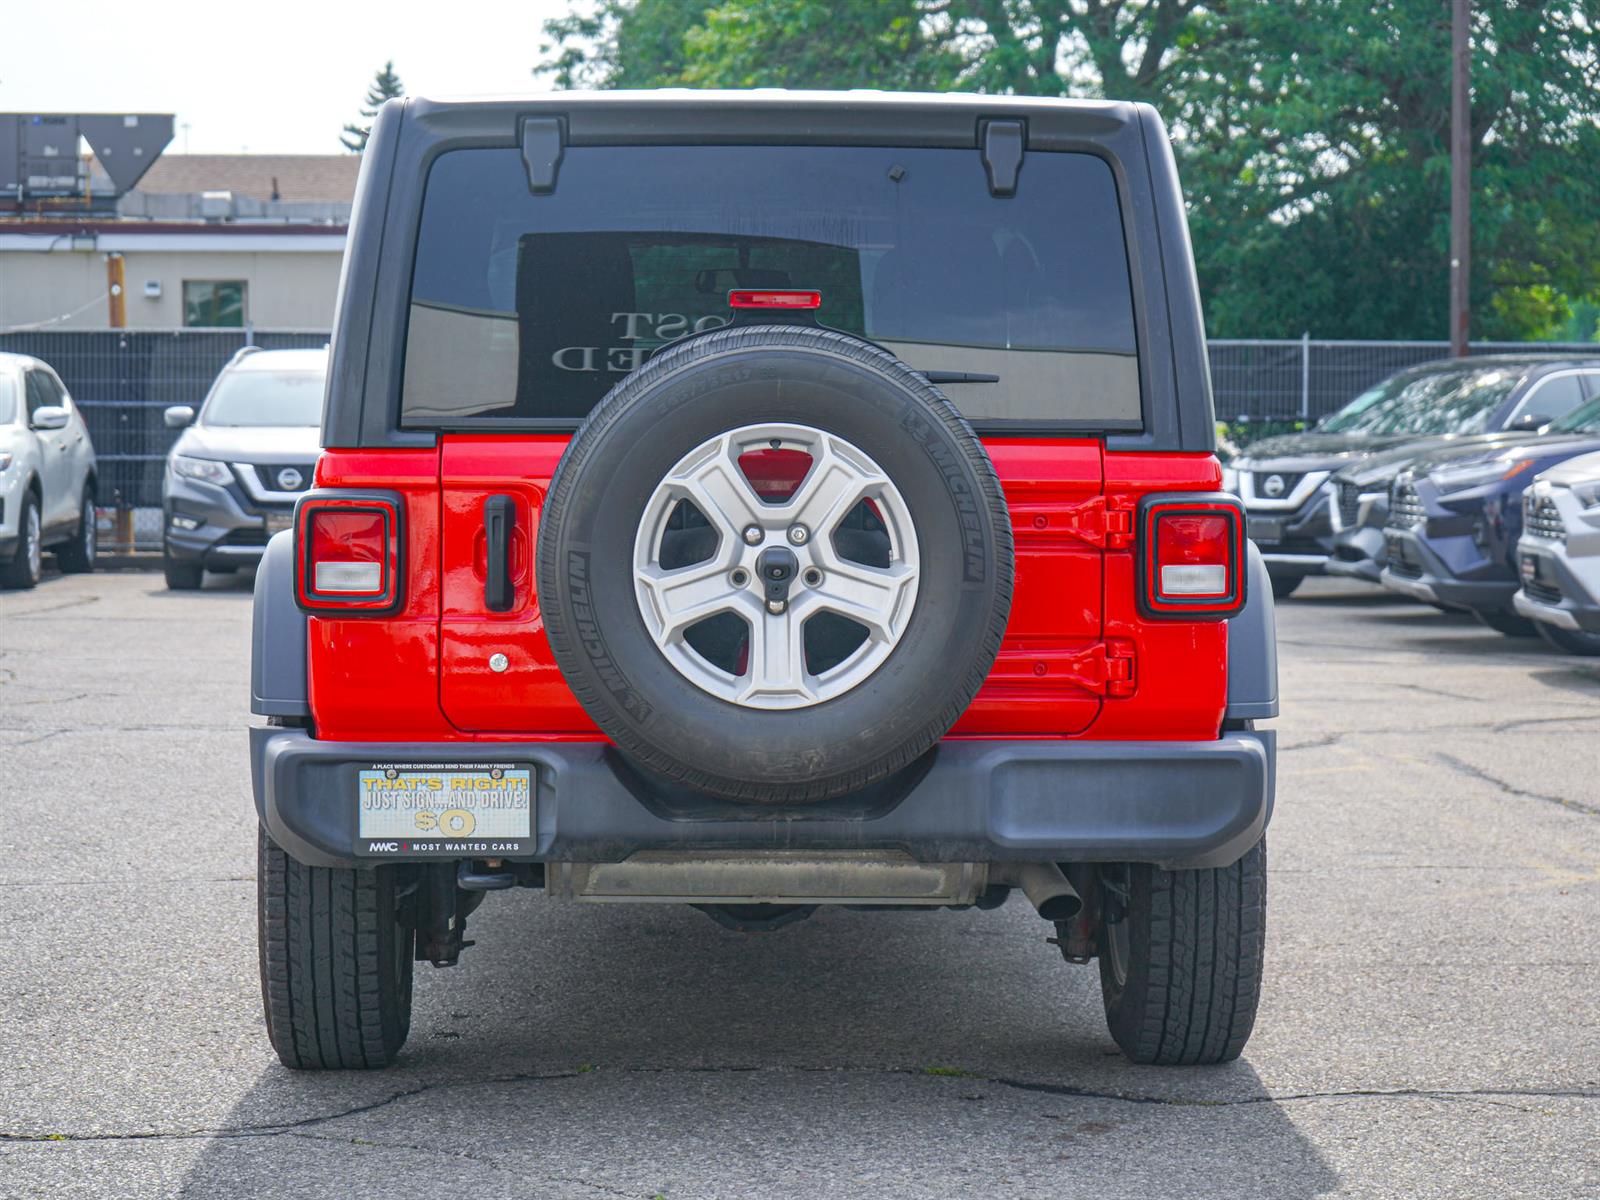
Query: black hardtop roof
pixel 775 114
pixel 408 134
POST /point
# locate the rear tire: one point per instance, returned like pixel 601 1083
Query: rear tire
pixel 1181 957
pixel 1283 586
pixel 1570 641
pixel 183 577
pixel 336 964
pixel 77 556
pixel 1507 623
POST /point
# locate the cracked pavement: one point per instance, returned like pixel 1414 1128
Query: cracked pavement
pixel 1429 1025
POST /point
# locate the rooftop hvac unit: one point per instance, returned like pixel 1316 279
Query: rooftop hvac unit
pixel 39 157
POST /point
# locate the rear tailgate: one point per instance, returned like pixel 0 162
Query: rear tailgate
pixel 1052 668
pixel 528 695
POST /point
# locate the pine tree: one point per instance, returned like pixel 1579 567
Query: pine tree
pixel 385 85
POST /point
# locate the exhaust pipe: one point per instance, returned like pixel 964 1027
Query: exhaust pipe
pixel 1046 888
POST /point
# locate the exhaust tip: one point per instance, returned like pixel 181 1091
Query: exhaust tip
pixel 1048 890
pixel 1061 908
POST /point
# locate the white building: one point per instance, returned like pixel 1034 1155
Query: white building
pixel 204 241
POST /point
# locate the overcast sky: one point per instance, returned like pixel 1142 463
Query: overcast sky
pixel 273 78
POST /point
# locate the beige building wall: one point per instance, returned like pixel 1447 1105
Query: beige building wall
pixel 284 289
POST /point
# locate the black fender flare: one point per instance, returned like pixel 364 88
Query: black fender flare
pixel 278 634
pixel 1253 648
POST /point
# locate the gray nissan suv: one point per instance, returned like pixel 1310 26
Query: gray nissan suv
pixel 234 474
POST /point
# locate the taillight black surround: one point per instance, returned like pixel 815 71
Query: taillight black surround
pixel 386 504
pixel 1198 504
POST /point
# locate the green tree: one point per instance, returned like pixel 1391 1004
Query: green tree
pixel 1311 134
pixel 385 85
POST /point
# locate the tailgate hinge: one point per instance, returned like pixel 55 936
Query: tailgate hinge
pixel 1120 679
pixel 1119 521
pixel 544 142
pixel 1097 521
pixel 1106 667
pixel 1103 668
pixel 1002 143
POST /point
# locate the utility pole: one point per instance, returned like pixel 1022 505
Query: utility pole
pixel 116 292
pixel 1460 173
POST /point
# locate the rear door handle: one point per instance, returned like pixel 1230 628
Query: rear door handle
pixel 499 519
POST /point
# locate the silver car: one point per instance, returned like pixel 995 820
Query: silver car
pixel 1558 555
pixel 235 473
pixel 47 474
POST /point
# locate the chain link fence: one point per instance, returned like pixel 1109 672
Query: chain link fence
pixel 1266 387
pixel 123 379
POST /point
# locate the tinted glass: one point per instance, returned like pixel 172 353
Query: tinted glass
pixel 266 398
pixel 1582 420
pixel 42 392
pixel 535 306
pixel 1439 402
pixel 1551 398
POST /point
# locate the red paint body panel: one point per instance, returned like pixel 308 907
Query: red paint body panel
pixel 1036 686
pixel 376 678
pixel 1078 659
pixel 1181 667
pixel 530 695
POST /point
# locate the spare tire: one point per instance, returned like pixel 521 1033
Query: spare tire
pixel 775 564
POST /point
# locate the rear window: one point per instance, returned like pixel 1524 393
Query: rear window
pixel 532 307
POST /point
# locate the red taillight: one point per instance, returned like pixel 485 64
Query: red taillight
pixel 348 552
pixel 774 299
pixel 1192 556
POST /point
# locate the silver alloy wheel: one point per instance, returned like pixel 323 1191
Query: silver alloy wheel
pixel 878 599
pixel 34 543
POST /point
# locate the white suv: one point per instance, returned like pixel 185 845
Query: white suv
pixel 1559 555
pixel 47 474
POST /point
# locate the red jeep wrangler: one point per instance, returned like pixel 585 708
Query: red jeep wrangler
pixel 763 501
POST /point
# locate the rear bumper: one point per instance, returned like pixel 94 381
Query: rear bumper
pixel 1177 804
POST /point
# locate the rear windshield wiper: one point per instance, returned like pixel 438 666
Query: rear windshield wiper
pixel 958 377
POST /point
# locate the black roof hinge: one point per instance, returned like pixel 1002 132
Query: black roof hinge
pixel 544 141
pixel 1001 143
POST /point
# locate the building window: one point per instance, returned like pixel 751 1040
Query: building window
pixel 213 303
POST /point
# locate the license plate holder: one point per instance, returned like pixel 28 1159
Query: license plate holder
pixel 459 810
pixel 1264 529
pixel 277 522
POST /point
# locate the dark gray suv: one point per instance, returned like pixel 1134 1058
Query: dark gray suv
pixel 233 476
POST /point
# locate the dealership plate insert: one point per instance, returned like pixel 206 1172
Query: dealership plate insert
pixel 459 809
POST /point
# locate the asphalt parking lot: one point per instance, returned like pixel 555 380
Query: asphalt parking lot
pixel 1429 1026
